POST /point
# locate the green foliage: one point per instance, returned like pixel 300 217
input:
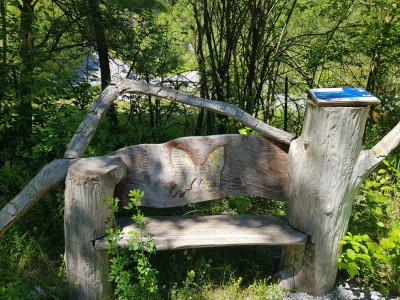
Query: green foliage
pixel 231 289
pixel 371 251
pixel 27 271
pixel 376 264
pixel 238 205
pixel 131 270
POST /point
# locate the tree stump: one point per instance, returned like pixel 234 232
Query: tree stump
pixel 88 182
pixel 324 178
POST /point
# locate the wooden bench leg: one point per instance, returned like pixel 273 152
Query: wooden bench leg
pixel 88 182
pixel 296 267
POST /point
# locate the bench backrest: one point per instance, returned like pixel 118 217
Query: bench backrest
pixel 194 169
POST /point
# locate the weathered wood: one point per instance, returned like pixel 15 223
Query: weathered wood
pixel 322 164
pixel 223 108
pixel 86 130
pixel 89 181
pixel 299 269
pixel 194 169
pixel 119 86
pixel 49 178
pixel 369 159
pixel 183 232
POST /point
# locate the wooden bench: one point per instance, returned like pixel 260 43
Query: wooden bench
pixel 326 165
pixel 184 171
pixel 180 172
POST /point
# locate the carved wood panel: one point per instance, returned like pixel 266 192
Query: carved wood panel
pixel 195 169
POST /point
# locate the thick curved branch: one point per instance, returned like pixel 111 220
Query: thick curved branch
pixel 369 159
pixel 222 108
pixel 49 178
pixel 88 127
pixel 86 130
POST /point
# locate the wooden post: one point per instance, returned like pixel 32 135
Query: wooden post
pixel 324 177
pixel 88 182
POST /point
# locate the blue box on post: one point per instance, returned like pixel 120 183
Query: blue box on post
pixel 341 97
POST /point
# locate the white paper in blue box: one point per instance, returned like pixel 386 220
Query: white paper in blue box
pixel 342 97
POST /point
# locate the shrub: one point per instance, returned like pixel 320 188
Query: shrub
pixel 371 248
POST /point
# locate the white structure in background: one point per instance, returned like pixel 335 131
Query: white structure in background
pixel 90 69
pixel 90 72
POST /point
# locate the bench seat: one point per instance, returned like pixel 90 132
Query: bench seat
pixel 183 232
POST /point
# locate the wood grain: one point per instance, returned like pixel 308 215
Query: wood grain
pixel 322 167
pixel 183 232
pixel 88 183
pixel 195 169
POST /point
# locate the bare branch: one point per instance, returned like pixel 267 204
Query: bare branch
pixel 223 108
pixel 87 128
pixel 369 159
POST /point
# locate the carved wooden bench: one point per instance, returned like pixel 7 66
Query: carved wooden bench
pixel 326 166
pixel 194 169
pixel 177 173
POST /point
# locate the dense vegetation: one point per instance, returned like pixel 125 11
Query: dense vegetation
pixel 251 53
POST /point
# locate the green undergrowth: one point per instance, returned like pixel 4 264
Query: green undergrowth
pixel 227 272
pixel 232 289
pixel 371 248
pixel 212 273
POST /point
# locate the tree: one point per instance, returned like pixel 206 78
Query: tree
pixel 101 42
pixel 241 50
pixel 27 55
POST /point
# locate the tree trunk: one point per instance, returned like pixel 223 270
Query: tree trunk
pixel 324 178
pixel 88 183
pixel 201 62
pixel 27 56
pixel 3 68
pixel 102 51
pixel 101 42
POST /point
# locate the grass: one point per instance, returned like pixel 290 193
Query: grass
pixel 261 289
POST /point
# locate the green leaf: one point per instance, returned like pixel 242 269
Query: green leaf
pixel 351 254
pixel 380 224
pixel 347 237
pixel 378 211
pixel 387 244
pixel 352 269
pixel 382 257
pixel 372 246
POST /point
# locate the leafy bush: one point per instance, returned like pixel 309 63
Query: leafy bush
pixel 371 250
pixel 131 270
